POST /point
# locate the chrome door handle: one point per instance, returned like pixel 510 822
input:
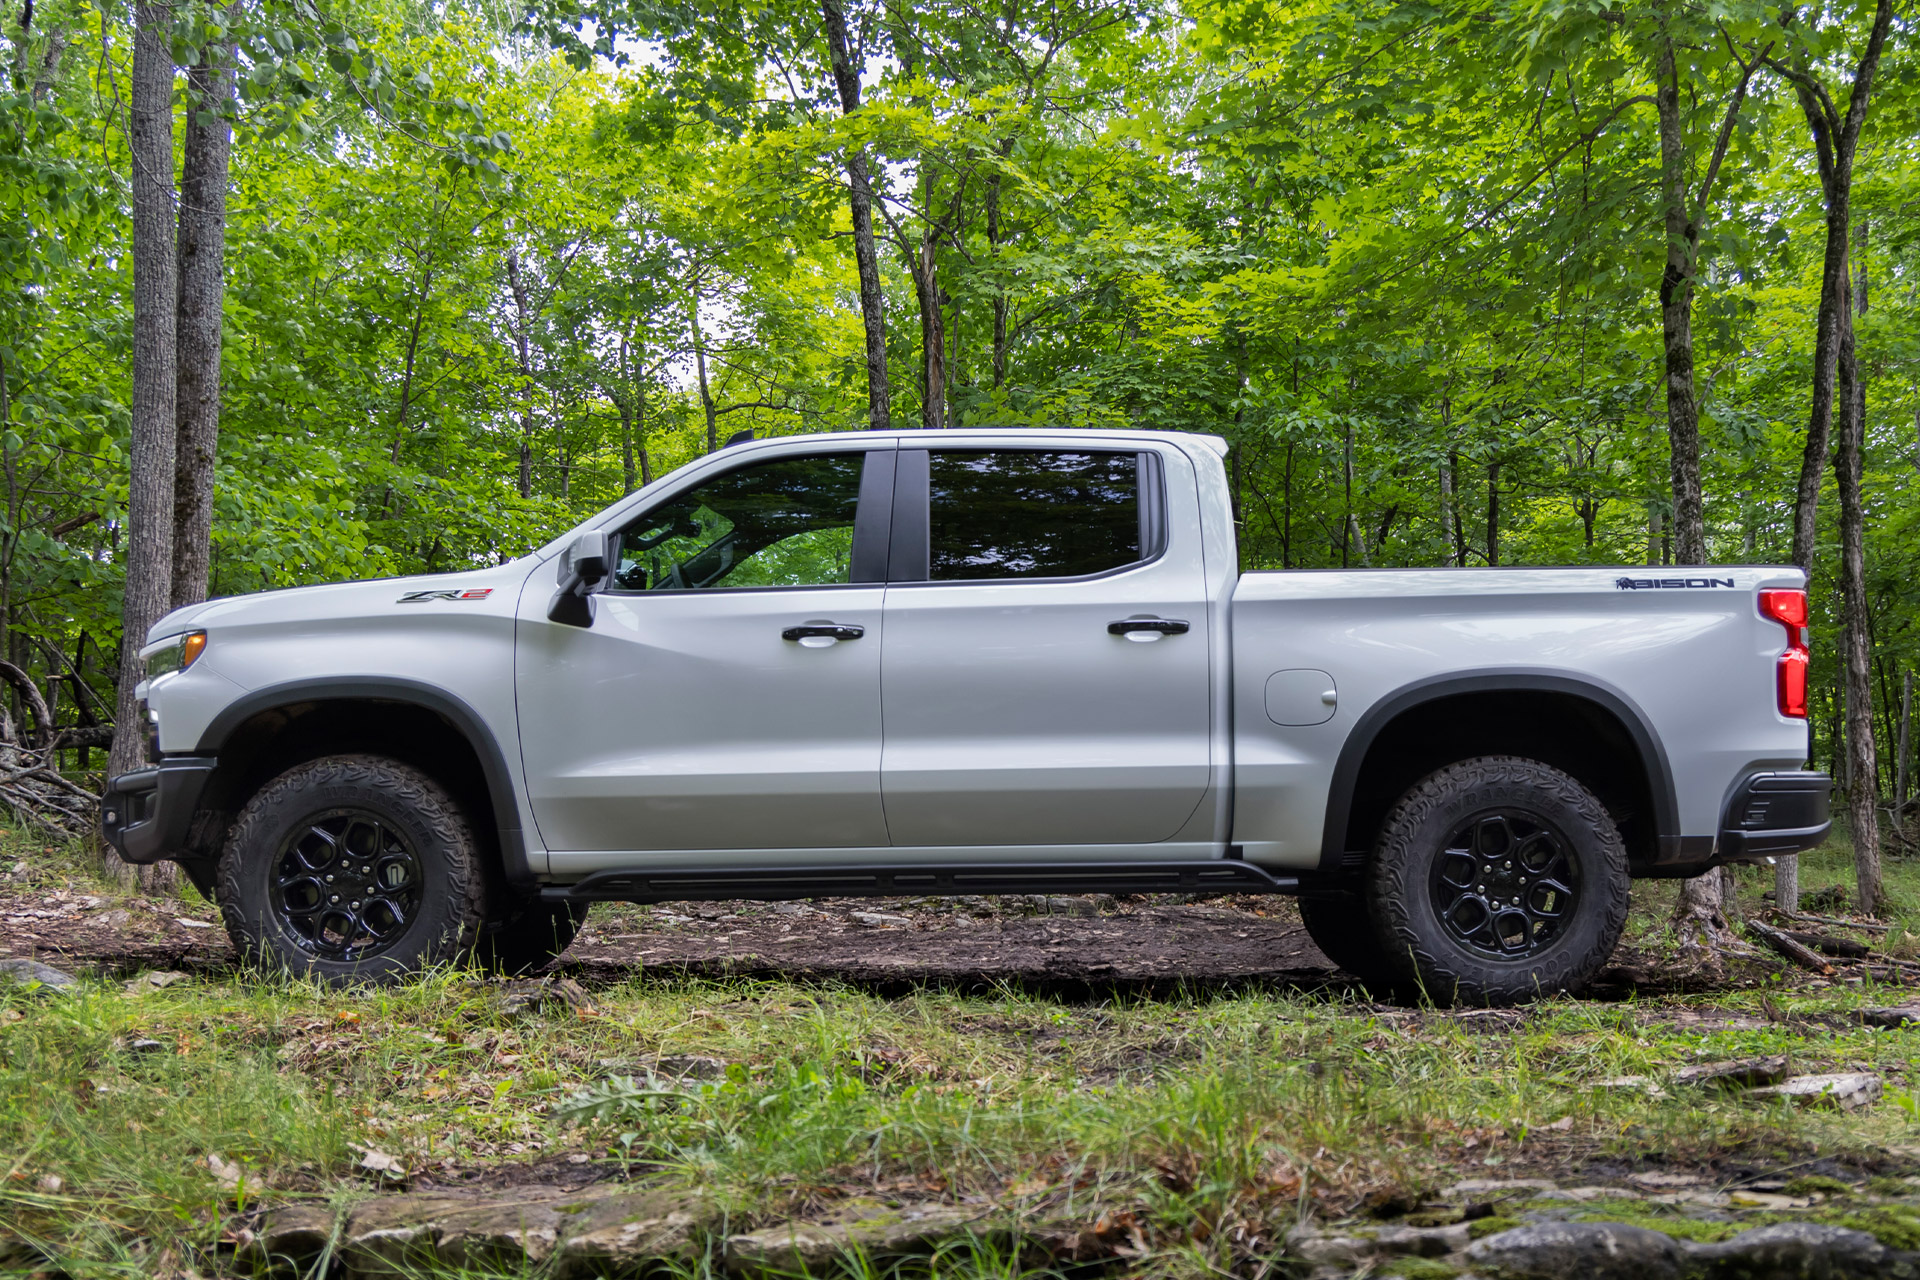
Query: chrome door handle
pixel 1159 626
pixel 824 631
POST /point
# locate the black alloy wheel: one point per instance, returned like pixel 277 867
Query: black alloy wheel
pixel 352 869
pixel 1497 879
pixel 347 886
pixel 1505 884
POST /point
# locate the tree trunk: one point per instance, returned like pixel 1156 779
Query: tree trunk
pixel 1493 515
pixel 933 338
pixel 700 369
pixel 1676 317
pixel 202 287
pixel 149 550
pixel 523 352
pixel 49 61
pixel 1835 136
pixel 999 293
pixel 866 258
pixel 1826 352
pixel 1863 768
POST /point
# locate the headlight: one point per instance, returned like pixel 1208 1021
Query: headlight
pixel 175 653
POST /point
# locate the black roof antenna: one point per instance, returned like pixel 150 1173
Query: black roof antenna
pixel 738 437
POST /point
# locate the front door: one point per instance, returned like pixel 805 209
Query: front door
pixel 727 693
pixel 1045 672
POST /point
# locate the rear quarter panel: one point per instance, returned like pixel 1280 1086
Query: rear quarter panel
pixel 1697 665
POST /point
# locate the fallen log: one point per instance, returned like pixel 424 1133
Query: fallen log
pixel 1786 946
pixel 93 735
pixel 1827 944
pixel 1801 917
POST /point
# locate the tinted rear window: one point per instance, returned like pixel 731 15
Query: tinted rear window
pixel 1031 513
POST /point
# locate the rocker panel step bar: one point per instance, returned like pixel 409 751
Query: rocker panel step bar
pixel 776 883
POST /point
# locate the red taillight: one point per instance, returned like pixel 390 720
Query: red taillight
pixel 1789 608
pixel 1793 683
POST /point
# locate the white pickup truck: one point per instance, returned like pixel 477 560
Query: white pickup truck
pixel 971 662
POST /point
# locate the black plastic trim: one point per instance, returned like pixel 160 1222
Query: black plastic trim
pixel 1776 813
pixel 873 518
pixel 1153 506
pixel 907 553
pixel 1353 753
pixel 770 884
pixel 493 765
pixel 146 815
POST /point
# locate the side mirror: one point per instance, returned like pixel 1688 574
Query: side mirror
pixel 588 556
pixel 585 565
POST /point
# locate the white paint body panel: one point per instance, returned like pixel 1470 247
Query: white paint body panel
pixel 1014 718
pixel 1697 665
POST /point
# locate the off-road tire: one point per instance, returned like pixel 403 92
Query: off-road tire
pixel 450 894
pixel 1401 882
pixel 1343 930
pixel 529 937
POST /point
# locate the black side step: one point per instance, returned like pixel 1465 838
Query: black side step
pixel 770 884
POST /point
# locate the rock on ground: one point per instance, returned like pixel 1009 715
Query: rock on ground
pixel 1589 1250
pixel 1847 1090
pixel 612 1230
pixel 26 972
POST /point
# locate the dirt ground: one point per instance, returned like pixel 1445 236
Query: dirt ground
pixel 1066 944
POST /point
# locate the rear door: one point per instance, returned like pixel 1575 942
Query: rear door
pixel 727 694
pixel 1044 673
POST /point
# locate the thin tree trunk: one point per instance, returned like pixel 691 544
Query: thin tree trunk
pixel 700 368
pixel 524 353
pixel 410 365
pixel 49 61
pixel 1835 137
pixel 933 337
pixel 1286 511
pixel 1456 518
pixel 999 292
pixel 846 79
pixel 1676 316
pixel 149 550
pixel 1906 722
pixel 1493 514
pixel 1826 348
pixel 622 402
pixel 202 288
pixel 1863 768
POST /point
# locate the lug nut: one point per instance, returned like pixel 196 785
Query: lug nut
pixel 334 898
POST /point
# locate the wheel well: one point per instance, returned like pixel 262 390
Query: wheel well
pixel 270 742
pixel 1573 734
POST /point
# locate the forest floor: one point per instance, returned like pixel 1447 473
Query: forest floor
pixel 1177 1086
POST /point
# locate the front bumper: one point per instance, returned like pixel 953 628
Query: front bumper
pixel 146 815
pixel 1774 814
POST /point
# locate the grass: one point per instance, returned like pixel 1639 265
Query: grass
pixel 1203 1115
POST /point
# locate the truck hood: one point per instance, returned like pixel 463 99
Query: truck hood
pixel 374 596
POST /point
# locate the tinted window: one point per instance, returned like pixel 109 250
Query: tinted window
pixel 787 523
pixel 1031 514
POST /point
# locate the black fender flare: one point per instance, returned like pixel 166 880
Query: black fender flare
pixel 464 719
pixel 1353 752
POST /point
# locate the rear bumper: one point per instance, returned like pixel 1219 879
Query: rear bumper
pixel 1772 814
pixel 146 815
pixel 1768 815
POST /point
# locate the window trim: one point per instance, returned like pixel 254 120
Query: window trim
pixel 872 519
pixel 909 564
